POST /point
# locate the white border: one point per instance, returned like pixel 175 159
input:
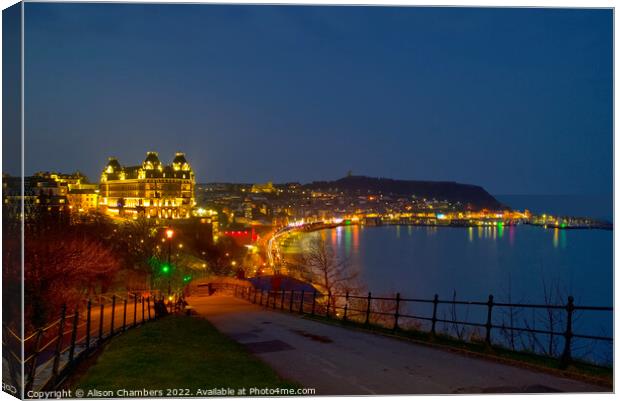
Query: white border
pixel 453 3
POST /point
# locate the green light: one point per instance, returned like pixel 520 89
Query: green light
pixel 563 225
pixel 187 278
pixel 165 269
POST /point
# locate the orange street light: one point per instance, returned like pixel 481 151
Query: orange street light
pixel 169 234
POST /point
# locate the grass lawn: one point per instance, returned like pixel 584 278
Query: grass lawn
pixel 177 352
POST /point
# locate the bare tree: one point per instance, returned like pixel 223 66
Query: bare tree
pixel 320 265
pixel 458 329
pixel 550 318
pixel 64 268
pixel 510 315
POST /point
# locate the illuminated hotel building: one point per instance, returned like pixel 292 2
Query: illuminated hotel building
pixel 150 189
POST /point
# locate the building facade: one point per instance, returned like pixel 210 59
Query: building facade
pixel 82 196
pixel 83 200
pixel 151 189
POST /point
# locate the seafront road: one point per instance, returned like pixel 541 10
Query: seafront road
pixel 339 361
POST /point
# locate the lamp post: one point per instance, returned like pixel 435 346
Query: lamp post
pixel 169 234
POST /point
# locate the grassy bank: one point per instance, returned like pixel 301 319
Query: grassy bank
pixel 176 352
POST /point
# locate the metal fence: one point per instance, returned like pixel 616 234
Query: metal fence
pixel 393 313
pixel 51 352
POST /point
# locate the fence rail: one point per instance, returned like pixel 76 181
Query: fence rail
pixel 50 352
pixel 392 312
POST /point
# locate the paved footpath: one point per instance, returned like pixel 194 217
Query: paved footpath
pixel 339 361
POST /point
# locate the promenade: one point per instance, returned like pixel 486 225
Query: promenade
pixel 340 361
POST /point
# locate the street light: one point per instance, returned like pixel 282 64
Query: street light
pixel 169 234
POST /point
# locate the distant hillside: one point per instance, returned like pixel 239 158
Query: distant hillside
pixel 453 192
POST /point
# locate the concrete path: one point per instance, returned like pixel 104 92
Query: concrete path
pixel 338 361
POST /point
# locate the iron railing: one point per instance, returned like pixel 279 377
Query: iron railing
pixel 52 351
pixel 392 313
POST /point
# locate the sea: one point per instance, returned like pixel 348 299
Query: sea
pixel 515 264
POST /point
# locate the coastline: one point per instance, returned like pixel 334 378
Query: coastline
pixel 453 224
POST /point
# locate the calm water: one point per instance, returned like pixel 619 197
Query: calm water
pixel 519 262
pixel 475 262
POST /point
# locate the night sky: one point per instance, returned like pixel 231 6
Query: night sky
pixel 516 100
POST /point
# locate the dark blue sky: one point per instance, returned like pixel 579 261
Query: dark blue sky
pixel 516 100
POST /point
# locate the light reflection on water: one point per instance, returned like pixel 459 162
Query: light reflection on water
pixel 476 261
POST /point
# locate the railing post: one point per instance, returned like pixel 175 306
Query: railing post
pixel 112 320
pixel 301 303
pixel 100 322
pixel 33 363
pixel 148 306
pixel 76 321
pixel 434 319
pixel 142 304
pixel 61 333
pixel 135 310
pixel 124 314
pixel 367 322
pixel 346 306
pixel 261 297
pixel 88 307
pixel 282 300
pixel 313 301
pixel 290 305
pixel 489 323
pixel 568 334
pixel 254 295
pixel 396 312
pixel 329 300
pixel 275 299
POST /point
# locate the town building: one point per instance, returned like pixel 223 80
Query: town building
pixel 266 188
pixel 40 193
pixel 81 195
pixel 151 189
pixel 83 200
